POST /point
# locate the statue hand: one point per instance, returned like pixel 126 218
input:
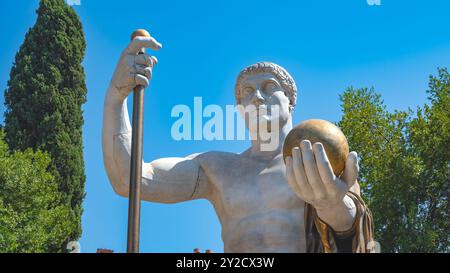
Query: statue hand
pixel 310 175
pixel 133 68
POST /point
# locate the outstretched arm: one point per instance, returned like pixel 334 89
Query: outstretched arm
pixel 166 180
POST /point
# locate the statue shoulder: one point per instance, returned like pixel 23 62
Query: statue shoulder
pixel 215 159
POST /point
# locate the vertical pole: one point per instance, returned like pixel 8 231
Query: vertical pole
pixel 134 205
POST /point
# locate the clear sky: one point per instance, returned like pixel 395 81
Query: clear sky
pixel 325 45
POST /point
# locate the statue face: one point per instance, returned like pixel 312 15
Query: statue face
pixel 266 100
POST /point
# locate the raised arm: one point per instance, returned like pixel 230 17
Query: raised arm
pixel 166 180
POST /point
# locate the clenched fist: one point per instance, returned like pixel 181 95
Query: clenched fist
pixel 135 67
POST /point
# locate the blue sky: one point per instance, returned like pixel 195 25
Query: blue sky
pixel 325 45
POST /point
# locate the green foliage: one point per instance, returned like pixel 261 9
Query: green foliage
pixel 43 100
pixel 405 166
pixel 430 140
pixel 32 218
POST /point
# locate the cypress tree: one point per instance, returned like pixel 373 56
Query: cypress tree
pixel 43 100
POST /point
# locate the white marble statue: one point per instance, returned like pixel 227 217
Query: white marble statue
pixel 259 200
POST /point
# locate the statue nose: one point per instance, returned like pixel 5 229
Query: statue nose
pixel 258 98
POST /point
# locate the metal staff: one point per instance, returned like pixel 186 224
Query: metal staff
pixel 134 202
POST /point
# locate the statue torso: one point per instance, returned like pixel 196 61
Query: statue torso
pixel 258 210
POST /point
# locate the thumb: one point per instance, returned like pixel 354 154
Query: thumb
pixel 351 170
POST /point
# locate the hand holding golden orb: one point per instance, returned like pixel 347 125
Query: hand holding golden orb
pixel 325 132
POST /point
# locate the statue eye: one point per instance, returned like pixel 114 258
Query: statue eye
pixel 271 86
pixel 246 91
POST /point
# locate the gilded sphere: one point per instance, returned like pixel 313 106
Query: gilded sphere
pixel 325 132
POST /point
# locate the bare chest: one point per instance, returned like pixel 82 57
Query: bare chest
pixel 250 188
pixel 257 208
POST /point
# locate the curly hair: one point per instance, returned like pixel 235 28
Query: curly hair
pixel 286 80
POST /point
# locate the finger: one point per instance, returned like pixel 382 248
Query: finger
pixel 311 170
pixel 324 167
pixel 355 188
pixel 145 59
pixel 144 70
pixel 291 177
pixel 141 80
pixel 141 42
pixel 351 170
pixel 154 60
pixel 299 172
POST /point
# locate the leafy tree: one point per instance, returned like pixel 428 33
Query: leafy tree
pixel 32 218
pixel 43 100
pixel 405 166
pixel 430 140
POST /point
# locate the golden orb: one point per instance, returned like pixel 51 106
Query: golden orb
pixel 325 132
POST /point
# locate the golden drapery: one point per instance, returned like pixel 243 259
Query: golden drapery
pixel 321 238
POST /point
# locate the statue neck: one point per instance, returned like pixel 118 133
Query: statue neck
pixel 273 146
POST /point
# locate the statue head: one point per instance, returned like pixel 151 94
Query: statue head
pixel 265 85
